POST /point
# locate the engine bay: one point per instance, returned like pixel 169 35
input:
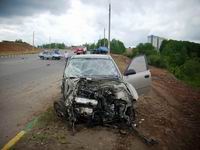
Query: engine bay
pixel 99 101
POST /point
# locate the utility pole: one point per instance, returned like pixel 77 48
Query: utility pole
pixel 109 28
pixel 49 43
pixel 104 44
pixel 33 40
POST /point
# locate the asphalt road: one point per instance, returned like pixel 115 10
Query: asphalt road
pixel 28 86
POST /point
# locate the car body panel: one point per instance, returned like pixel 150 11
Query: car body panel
pixel 45 55
pixel 56 55
pixel 50 55
pixel 137 82
pixel 141 80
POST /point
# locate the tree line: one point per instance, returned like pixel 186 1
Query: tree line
pixel 182 58
pixel 116 46
pixel 53 46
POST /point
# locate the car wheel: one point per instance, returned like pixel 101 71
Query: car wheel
pixel 131 113
pixel 60 109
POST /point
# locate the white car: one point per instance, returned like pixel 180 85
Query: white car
pixel 93 88
pixel 45 55
pixel 56 55
pixel 50 55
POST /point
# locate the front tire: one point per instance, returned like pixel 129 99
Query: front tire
pixel 131 113
pixel 60 109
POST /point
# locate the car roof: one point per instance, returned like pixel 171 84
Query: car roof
pixel 92 56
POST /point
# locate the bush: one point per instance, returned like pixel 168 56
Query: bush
pixel 128 54
pixel 157 60
pixel 191 67
pixel 190 72
pixel 117 46
pixel 146 49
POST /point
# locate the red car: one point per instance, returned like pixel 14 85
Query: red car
pixel 79 50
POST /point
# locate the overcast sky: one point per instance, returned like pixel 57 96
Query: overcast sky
pixel 80 21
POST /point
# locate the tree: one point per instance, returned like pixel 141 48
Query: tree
pixel 117 46
pixel 53 45
pixel 145 48
pixel 18 41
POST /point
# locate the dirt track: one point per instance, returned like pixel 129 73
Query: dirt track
pixel 170 113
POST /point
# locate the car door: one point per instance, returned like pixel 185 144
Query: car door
pixel 138 74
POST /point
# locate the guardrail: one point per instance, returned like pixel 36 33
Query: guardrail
pixel 15 55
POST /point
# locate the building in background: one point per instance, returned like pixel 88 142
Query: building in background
pixel 156 41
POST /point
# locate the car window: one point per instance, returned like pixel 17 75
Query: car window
pixel 91 67
pixel 138 64
pixel 57 52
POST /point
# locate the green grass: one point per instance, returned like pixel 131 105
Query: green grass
pixel 46 118
pixel 47 128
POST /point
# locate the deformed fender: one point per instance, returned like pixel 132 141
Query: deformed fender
pixel 132 91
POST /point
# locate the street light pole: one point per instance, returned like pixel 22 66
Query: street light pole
pixel 109 28
pixel 104 44
pixel 49 43
pixel 33 40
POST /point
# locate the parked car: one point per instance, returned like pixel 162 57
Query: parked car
pixel 50 55
pixel 80 50
pixel 56 54
pixel 101 50
pixel 45 55
pixel 94 90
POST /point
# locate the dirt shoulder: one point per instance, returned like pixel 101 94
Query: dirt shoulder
pixel 170 113
pixel 14 48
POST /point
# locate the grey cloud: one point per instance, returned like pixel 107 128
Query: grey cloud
pixel 132 20
pixel 178 19
pixel 17 8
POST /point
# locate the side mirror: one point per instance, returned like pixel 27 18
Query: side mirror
pixel 129 72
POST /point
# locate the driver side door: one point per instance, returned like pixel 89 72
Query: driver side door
pixel 138 74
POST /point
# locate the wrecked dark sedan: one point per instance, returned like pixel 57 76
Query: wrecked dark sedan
pixel 95 91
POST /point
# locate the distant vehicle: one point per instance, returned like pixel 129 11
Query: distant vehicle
pixel 102 50
pixel 45 55
pixel 50 55
pixel 56 54
pixel 80 50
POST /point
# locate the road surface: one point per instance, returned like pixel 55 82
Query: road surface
pixel 28 86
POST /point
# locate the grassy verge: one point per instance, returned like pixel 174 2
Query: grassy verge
pixel 43 131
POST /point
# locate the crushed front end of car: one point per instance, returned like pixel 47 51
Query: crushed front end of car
pixel 96 102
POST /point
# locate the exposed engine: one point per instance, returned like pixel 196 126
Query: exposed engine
pixel 100 101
